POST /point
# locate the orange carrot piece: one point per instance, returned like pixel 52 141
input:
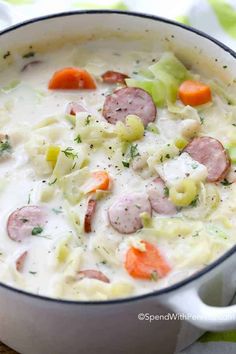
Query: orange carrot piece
pixel 99 181
pixel 71 79
pixel 194 93
pixel 144 265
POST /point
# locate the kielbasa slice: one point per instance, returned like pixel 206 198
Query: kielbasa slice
pixel 158 196
pixel 211 153
pixel 22 222
pixel 114 77
pixel 91 207
pixel 124 214
pixel 73 107
pixel 92 274
pixel 129 100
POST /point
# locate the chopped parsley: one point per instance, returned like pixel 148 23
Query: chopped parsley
pixel 36 230
pixel 194 166
pixel 125 163
pixel 7 54
pixel 69 152
pixel 234 124
pixel 4 146
pixel 87 120
pixel 134 151
pixel 202 119
pixel 225 182
pixel 78 139
pixel 28 55
pixel 57 211
pixel 154 275
pixel 31 272
pixel 166 191
pixel 194 202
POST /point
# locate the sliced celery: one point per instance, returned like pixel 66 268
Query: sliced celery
pixel 232 153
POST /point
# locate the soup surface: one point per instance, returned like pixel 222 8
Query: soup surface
pixel 117 171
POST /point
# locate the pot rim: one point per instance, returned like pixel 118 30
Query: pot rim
pixel 185 281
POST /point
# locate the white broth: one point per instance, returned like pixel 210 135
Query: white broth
pixel 59 167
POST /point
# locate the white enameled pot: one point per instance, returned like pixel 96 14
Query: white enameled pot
pixel 33 324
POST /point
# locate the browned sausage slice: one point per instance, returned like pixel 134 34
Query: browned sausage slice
pixel 124 214
pixel 93 274
pixel 129 100
pixel 114 77
pixel 91 207
pixel 211 153
pixel 23 221
pixel 158 196
pixel 21 261
pixel 73 108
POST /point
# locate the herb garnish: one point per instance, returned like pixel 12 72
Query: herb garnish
pixel 7 54
pixel 87 120
pixel 31 272
pixel 78 139
pixel 28 55
pixel 194 166
pixel 125 163
pixel 202 119
pixel 133 152
pixel 225 182
pixel 4 146
pixel 57 211
pixel 69 153
pixel 154 275
pixel 193 203
pixel 36 230
pixel 166 192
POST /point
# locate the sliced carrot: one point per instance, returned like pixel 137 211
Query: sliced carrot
pixel 144 265
pixel 194 93
pixel 99 181
pixel 71 79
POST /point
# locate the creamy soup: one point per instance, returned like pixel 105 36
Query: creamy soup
pixel 117 171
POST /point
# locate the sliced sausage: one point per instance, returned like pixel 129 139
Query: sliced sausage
pixel 21 261
pixel 158 196
pixel 73 108
pixel 114 77
pixel 129 100
pixel 22 221
pixel 92 274
pixel 124 214
pixel 91 207
pixel 211 153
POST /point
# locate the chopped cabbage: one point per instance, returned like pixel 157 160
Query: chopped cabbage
pixel 163 82
pixel 72 183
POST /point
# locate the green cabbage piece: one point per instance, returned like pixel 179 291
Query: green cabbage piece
pixel 168 63
pixel 162 79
